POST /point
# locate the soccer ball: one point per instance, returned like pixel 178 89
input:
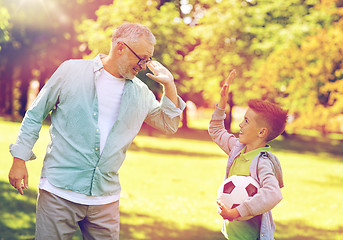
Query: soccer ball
pixel 236 189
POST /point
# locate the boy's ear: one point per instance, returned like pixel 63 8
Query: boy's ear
pixel 263 132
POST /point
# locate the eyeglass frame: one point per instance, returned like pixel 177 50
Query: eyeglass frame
pixel 141 61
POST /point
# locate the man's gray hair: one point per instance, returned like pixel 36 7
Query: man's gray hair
pixel 132 32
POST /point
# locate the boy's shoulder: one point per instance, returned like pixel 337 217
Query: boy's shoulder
pixel 268 154
pixel 266 157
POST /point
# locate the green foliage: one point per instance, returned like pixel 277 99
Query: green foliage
pixel 4 25
pixel 309 80
pixel 241 35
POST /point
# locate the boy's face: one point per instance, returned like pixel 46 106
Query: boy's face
pixel 250 129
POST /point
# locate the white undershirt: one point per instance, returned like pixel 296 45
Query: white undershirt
pixel 109 90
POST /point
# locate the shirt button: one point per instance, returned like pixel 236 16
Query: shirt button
pixel 94 114
pixel 96 149
pixel 97 130
pixel 97 168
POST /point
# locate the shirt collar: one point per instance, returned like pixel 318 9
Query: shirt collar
pixel 98 63
pixel 250 155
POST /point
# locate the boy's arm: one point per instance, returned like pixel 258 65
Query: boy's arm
pixel 216 128
pixel 269 195
pixel 218 133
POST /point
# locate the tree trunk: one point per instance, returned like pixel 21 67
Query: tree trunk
pixel 228 119
pixel 185 119
pixel 9 87
pixel 323 131
pixel 24 87
pixel 6 89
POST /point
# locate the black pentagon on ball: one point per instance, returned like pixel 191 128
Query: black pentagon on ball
pixel 234 206
pixel 228 187
pixel 251 190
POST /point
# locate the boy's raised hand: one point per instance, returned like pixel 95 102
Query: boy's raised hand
pixel 224 92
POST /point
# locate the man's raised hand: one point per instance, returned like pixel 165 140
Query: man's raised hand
pixel 160 73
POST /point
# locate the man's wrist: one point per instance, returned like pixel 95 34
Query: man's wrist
pixel 169 84
pixel 18 160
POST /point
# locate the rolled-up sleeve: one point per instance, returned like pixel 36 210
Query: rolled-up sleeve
pixel 169 107
pixel 33 119
pixel 165 116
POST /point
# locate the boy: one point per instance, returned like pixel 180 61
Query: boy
pixel 249 154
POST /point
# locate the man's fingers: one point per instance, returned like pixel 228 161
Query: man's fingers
pixel 152 65
pixel 26 182
pixel 18 185
pixel 20 190
pixel 153 77
pixel 10 180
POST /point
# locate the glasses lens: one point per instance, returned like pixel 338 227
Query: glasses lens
pixel 141 62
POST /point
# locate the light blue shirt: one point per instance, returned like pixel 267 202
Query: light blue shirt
pixel 73 160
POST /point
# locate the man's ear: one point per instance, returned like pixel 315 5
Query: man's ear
pixel 119 48
pixel 263 132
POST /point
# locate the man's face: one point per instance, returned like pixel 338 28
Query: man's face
pixel 128 64
pixel 250 129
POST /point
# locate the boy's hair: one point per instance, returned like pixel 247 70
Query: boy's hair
pixel 272 114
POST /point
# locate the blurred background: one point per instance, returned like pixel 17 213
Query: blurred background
pixel 286 51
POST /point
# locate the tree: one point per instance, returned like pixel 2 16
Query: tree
pixel 41 35
pixel 309 81
pixel 242 34
pixel 307 78
pixel 4 38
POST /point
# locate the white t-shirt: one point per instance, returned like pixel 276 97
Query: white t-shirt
pixel 109 90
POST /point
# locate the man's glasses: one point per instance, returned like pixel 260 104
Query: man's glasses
pixel 141 61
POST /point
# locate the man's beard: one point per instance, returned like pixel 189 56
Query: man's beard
pixel 124 69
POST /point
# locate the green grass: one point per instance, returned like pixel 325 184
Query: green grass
pixel 170 184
